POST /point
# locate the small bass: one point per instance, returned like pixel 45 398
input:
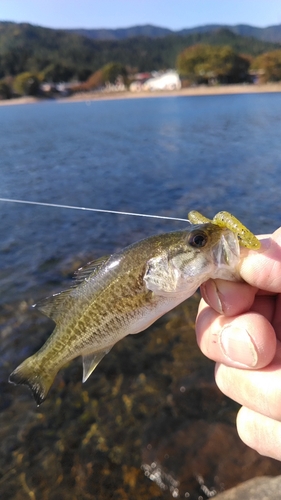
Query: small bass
pixel 123 294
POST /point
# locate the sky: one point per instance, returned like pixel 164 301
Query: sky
pixel 173 14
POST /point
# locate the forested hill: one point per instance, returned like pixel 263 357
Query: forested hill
pixel 24 47
pixel 269 34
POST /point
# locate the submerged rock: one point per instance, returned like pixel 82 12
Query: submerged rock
pixel 259 488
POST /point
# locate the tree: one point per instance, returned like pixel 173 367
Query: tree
pixel 95 80
pixel 268 66
pixel 83 74
pixel 58 72
pixel 206 63
pixel 5 90
pixel 112 71
pixel 26 84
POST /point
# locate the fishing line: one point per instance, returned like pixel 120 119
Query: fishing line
pixel 56 205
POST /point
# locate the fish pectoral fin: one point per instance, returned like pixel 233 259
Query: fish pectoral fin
pixel 160 276
pixel 90 361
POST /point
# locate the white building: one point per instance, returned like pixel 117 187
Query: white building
pixel 169 80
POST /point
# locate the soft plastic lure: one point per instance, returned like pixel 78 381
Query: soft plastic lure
pixel 225 219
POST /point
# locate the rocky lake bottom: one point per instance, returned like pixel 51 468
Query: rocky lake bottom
pixel 149 423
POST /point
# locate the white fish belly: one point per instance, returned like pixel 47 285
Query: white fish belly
pixel 149 315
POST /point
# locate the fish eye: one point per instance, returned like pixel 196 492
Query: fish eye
pixel 197 239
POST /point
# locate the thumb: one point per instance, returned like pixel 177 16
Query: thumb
pixel 244 341
pixel 262 269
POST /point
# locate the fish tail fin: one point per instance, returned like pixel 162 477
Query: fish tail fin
pixel 30 374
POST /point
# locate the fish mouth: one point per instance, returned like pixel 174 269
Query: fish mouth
pixel 227 255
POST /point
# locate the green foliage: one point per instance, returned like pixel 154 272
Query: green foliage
pixel 268 65
pixel 269 34
pixel 24 47
pixel 83 74
pixel 26 84
pixel 94 81
pixel 112 71
pixel 57 72
pixel 5 90
pixel 204 63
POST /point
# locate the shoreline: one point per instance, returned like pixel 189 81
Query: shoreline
pixel 202 90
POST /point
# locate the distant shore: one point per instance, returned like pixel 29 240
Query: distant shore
pixel 191 91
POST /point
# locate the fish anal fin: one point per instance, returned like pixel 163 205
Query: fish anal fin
pixel 89 270
pixel 90 362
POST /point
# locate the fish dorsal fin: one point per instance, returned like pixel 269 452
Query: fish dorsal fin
pixel 52 306
pixel 90 361
pixel 89 270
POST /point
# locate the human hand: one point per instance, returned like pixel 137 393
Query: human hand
pixel 239 326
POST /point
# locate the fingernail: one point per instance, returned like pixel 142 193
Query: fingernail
pixel 238 346
pixel 211 294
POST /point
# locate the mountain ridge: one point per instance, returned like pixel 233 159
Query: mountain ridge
pixel 269 34
pixel 62 55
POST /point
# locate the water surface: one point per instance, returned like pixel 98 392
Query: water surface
pixel 162 156
pixel 149 423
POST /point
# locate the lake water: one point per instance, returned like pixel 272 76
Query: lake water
pixel 161 156
pixel 151 409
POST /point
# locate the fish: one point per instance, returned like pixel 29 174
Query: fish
pixel 124 293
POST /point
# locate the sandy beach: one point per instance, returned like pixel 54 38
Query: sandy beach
pixel 191 91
